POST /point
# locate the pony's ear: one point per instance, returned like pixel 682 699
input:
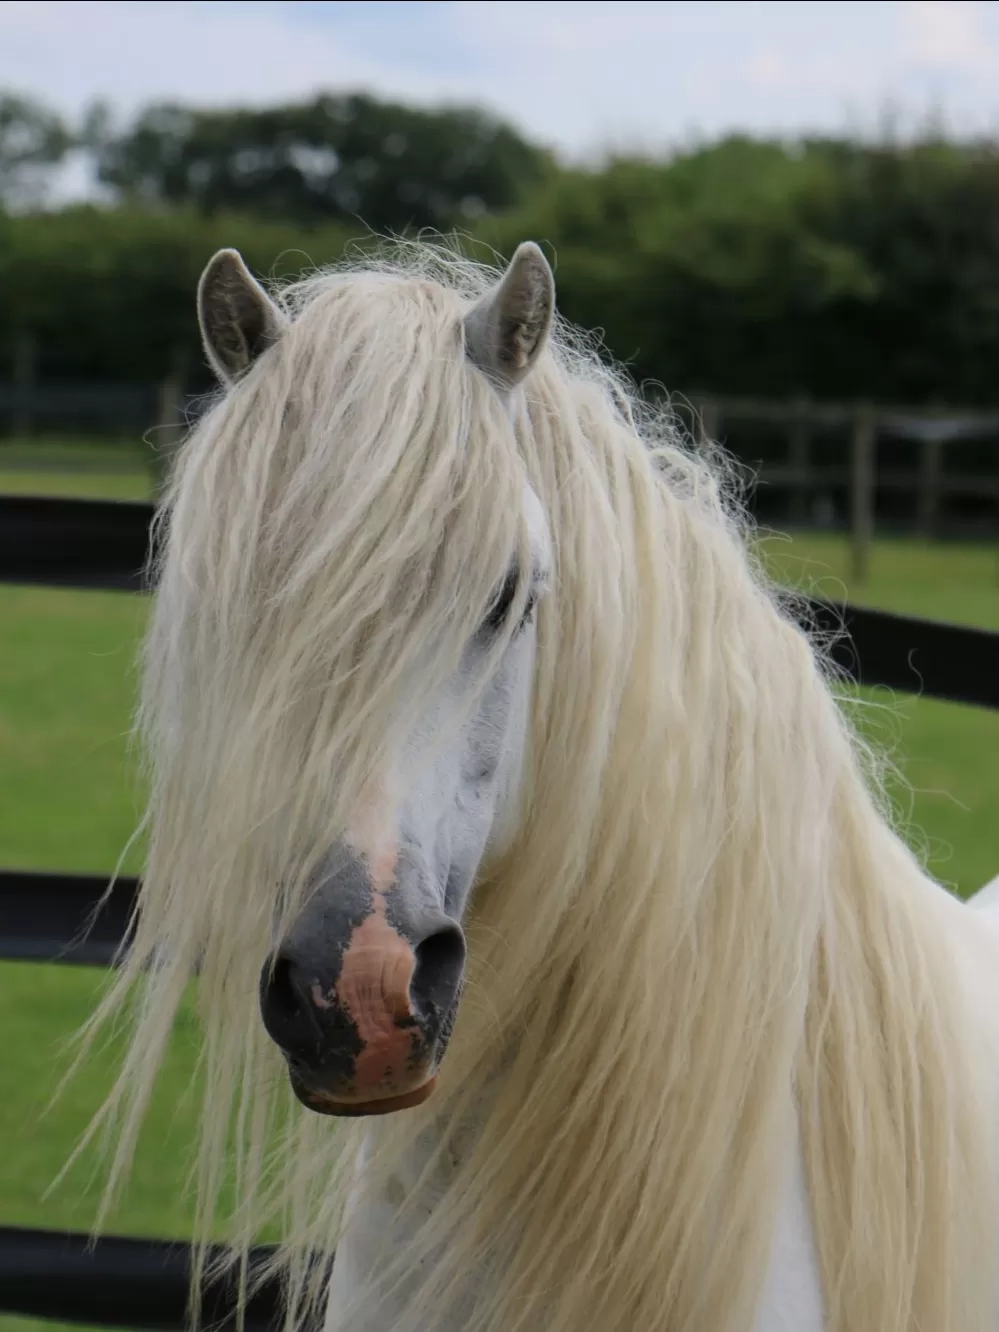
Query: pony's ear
pixel 506 331
pixel 238 319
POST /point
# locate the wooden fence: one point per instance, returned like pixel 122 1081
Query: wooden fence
pixel 859 465
pixel 845 466
pixel 55 917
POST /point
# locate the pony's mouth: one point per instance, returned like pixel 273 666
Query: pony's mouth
pixel 325 1103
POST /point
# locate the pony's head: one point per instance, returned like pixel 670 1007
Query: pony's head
pixel 372 738
pixel 361 990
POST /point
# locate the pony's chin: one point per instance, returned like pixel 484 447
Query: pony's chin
pixel 324 1103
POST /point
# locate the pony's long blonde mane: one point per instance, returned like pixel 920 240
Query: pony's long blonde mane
pixel 705 923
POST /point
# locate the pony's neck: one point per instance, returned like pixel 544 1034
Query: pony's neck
pixel 640 962
pixel 705 912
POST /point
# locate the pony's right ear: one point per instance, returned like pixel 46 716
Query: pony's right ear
pixel 238 319
pixel 506 331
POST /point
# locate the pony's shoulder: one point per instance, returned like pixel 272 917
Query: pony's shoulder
pixel 792 1300
pixel 973 927
pixel 987 898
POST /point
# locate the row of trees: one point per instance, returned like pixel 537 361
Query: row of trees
pixel 334 158
pixel 827 267
pixel 102 294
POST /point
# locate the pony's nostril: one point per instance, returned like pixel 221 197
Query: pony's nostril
pixel 440 961
pixel 282 994
pixel 288 1015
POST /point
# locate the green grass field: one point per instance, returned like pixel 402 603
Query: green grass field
pixel 69 799
pixel 82 468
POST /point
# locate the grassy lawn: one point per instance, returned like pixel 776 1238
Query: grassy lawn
pixel 40 1007
pixel 942 582
pixel 135 485
pixel 89 470
pixel 948 754
pixel 69 799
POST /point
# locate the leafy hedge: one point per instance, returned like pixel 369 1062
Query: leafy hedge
pixel 109 293
pixel 829 268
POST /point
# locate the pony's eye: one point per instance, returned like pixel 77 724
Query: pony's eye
pixel 500 608
pixel 499 611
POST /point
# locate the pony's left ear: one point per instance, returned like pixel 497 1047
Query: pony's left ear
pixel 506 331
pixel 238 319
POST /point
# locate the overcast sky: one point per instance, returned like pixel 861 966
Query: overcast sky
pixel 583 77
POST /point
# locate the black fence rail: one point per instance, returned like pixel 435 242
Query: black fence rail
pixel 67 918
pixel 118 1282
pixel 74 542
pixel 104 544
pixel 73 918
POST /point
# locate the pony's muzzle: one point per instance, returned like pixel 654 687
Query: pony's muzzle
pixel 362 1005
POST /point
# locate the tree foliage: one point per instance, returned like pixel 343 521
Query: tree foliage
pixel 334 158
pixel 831 268
pixel 827 267
pixel 33 140
pixel 108 294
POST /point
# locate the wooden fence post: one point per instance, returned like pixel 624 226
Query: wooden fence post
pixel 862 484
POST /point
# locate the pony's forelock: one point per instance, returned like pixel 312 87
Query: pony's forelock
pixel 703 911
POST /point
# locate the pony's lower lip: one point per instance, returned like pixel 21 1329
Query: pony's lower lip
pixel 325 1104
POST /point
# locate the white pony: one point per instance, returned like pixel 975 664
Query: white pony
pixel 493 784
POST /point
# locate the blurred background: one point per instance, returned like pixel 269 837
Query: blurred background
pixel 785 217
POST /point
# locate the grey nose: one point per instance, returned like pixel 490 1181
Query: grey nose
pixel 305 984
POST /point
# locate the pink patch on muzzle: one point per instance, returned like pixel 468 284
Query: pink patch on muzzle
pixel 373 990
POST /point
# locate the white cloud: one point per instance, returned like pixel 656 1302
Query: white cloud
pixel 138 52
pixel 654 71
pixel 947 35
pixel 579 75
